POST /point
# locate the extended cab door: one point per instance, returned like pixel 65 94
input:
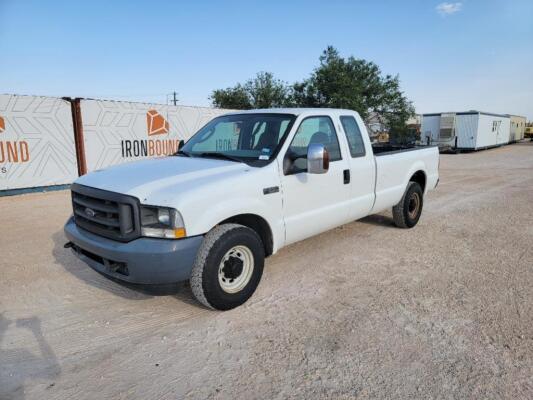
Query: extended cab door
pixel 362 166
pixel 313 203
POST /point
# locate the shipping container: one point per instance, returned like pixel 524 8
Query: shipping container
pixel 468 130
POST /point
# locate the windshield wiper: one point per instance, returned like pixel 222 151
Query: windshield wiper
pixel 218 155
pixel 181 153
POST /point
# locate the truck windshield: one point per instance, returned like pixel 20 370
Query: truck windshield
pixel 250 138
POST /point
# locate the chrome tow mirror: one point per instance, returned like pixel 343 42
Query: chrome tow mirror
pixel 317 159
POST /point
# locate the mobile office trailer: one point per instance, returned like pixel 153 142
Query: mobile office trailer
pixel 518 127
pixel 468 130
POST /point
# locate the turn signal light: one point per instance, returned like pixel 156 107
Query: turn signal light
pixel 180 233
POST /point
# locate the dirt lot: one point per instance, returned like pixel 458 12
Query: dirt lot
pixel 364 311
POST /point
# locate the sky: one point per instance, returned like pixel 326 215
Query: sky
pixel 450 56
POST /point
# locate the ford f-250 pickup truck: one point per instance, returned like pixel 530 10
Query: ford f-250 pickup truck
pixel 245 185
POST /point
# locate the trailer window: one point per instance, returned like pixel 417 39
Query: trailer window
pixel 353 135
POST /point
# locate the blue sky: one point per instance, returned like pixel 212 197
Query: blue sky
pixel 449 55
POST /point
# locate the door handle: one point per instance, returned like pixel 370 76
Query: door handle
pixel 346 176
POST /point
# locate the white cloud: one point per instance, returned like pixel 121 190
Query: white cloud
pixel 445 9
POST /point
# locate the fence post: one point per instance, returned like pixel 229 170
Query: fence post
pixel 77 125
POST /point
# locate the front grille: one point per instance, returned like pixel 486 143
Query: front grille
pixel 108 214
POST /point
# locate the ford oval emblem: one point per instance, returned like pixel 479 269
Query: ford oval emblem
pixel 90 212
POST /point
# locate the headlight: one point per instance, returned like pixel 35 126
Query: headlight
pixel 162 222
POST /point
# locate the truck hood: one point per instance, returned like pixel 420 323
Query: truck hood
pixel 142 178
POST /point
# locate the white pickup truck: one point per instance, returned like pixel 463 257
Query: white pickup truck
pixel 245 185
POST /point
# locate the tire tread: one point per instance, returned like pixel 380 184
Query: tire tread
pixel 399 210
pixel 210 240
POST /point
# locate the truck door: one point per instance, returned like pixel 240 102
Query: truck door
pixel 362 169
pixel 313 203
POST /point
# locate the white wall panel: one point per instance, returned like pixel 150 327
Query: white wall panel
pixel 487 136
pixel 517 129
pixel 466 130
pixel 117 131
pixel 36 142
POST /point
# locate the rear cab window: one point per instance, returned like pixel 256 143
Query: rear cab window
pixel 353 135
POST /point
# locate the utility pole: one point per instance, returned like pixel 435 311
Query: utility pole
pixel 174 99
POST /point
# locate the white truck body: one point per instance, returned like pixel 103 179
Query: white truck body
pixel 208 191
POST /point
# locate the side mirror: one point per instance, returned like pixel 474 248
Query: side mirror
pixel 317 159
pixel 181 143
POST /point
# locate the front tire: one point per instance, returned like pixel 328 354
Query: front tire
pixel 228 267
pixel 408 211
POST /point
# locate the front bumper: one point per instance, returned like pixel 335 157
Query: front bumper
pixel 144 260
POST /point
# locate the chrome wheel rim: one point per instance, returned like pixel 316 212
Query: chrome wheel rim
pixel 413 206
pixel 235 269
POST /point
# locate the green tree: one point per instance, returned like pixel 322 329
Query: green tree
pixel 263 91
pixel 231 98
pixel 337 82
pixel 358 85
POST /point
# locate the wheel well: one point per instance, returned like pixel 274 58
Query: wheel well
pixel 420 178
pixel 259 225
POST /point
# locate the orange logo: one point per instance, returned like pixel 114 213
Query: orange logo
pixel 12 151
pixel 157 125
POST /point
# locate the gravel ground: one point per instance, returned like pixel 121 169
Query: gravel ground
pixel 444 310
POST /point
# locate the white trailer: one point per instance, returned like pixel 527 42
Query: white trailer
pixel 468 130
pixel 518 127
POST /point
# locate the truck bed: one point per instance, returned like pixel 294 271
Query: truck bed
pixel 384 149
pixel 393 172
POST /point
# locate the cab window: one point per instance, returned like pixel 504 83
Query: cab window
pixel 313 130
pixel 353 135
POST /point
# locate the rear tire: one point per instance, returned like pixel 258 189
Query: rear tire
pixel 408 211
pixel 228 267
